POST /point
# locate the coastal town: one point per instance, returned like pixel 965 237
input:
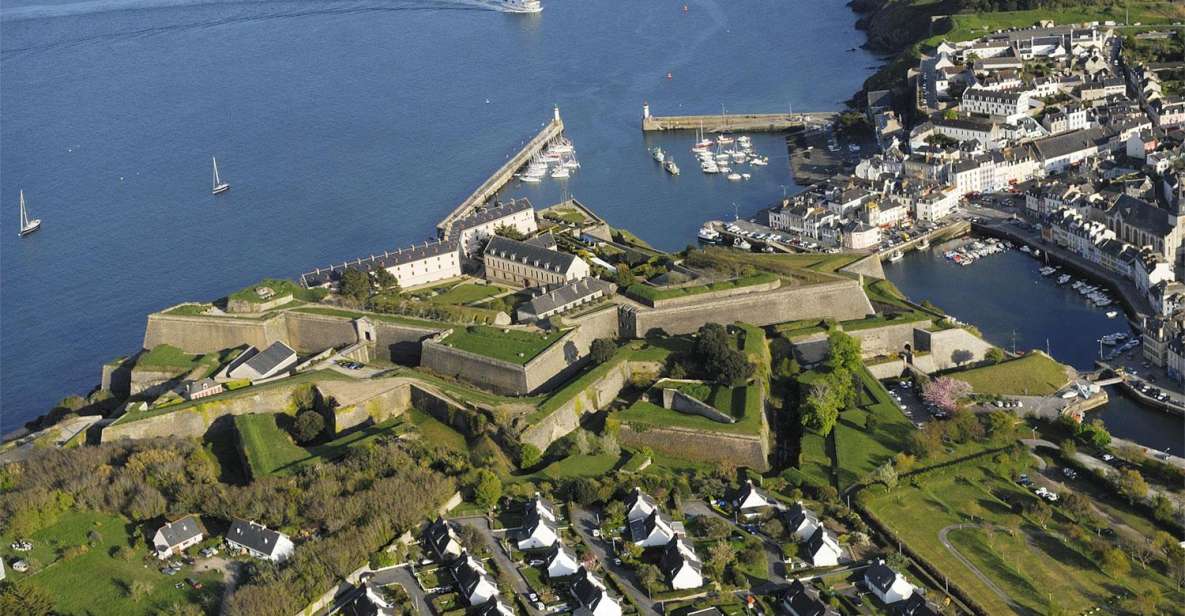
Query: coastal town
pixel 537 412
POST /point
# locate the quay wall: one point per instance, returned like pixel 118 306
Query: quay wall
pixel 842 300
pixel 750 122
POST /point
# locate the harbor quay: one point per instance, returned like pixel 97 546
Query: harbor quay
pixel 722 122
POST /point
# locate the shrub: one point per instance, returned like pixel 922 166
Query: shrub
pixel 308 426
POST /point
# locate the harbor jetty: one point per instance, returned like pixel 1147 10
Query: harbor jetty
pixel 489 188
pixel 738 122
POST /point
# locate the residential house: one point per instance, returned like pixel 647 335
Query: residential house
pixel 639 506
pixel 823 549
pixel 655 530
pixel 935 204
pixel 172 538
pixel 542 507
pixel 256 365
pixel 750 501
pixel 801 522
pixel 494 608
pixel 473 582
pixel 680 565
pixel 1059 152
pixel 444 542
pixel 259 541
pixel 916 605
pixel 800 600
pixel 473 230
pixel 888 585
pixel 538 530
pixel 201 388
pixel 560 298
pixel 860 236
pixel 530 265
pixel 561 562
pixel 593 598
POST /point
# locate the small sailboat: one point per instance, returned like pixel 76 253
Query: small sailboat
pixel 560 171
pixel 220 185
pixel 27 226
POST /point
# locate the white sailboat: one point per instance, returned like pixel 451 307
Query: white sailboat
pixel 27 226
pixel 220 185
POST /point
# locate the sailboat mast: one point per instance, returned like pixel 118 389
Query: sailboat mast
pixel 24 214
pixel 215 171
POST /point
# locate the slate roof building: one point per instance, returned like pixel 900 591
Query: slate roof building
pixel 888 585
pixel 823 549
pixel 472 580
pixel 538 531
pixel 201 388
pixel 800 600
pixel 680 565
pixel 561 562
pixel 494 608
pixel 259 541
pixel 472 230
pixel 256 365
pixel 440 536
pixel 654 530
pixel 529 265
pixel 593 598
pixel 801 521
pixel 750 501
pixel 1141 223
pixel 172 538
pixel 639 505
pixel 559 298
pixel 412 266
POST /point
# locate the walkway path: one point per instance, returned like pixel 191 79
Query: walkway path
pixel 402 576
pixel 583 522
pixel 999 592
pixel 504 563
pixel 1106 470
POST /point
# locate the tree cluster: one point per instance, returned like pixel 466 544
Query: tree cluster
pixel 725 364
pixel 822 400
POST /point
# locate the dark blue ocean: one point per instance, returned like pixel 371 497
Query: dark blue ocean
pixel 345 128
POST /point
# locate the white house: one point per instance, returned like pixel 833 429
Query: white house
pixel 655 530
pixel 639 506
pixel 542 508
pixel 594 599
pixel 259 541
pixel 750 501
pixel 537 531
pixel 494 608
pixel 561 562
pixel 443 540
pixel 801 522
pixel 472 580
pixel 174 537
pixel 888 585
pixel 681 566
pixel 1011 105
pixel 801 600
pixel 823 549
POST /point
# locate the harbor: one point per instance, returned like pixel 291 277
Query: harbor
pixel 738 122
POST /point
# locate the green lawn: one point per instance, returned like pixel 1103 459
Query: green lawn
pixel 653 351
pixel 1031 566
pixel 743 403
pixel 512 345
pixel 168 357
pixel 816 463
pixel 96 582
pixel 434 431
pixel 270 450
pixel 968 26
pixel 466 293
pixel 576 465
pixel 651 294
pixel 1034 374
pixel 280 287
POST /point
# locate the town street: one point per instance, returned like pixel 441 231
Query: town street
pixel 584 522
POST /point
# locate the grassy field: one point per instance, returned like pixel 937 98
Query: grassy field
pixel 1034 374
pixel 465 293
pixel 432 430
pixel 1031 566
pixel 646 293
pixel 859 449
pixel 743 403
pixel 510 345
pixel 270 450
pixel 802 268
pixel 968 26
pixel 576 465
pixel 280 287
pixel 98 583
pixel 168 357
pixel 656 352
pixel 815 463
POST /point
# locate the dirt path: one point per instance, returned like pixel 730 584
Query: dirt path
pixel 991 585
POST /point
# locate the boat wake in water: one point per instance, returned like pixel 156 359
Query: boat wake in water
pixel 45 11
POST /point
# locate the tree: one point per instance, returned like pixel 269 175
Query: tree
pixel 508 231
pixel 625 277
pixel 386 280
pixel 1069 448
pixel 964 426
pixel 307 427
pixel 1146 602
pixel 1041 514
pixel 927 441
pixel 945 392
pixel 720 556
pixel 732 368
pixel 886 474
pixel 994 355
pixel 950 114
pixel 820 409
pixel 182 609
pixel 354 284
pixel 487 489
pixel 649 576
pixel 1095 433
pixel 602 350
pixel 1115 563
pixel 529 456
pixel 1132 485
pixel 843 351
pixel 23 597
pixel 1002 425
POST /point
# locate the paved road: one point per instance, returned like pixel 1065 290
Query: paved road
pixel 1098 465
pixel 504 563
pixel 999 592
pixel 583 522
pixel 402 575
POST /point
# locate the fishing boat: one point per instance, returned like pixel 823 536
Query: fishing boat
pixel 220 185
pixel 896 256
pixel 709 234
pixel 657 154
pixel 27 226
pixel 671 167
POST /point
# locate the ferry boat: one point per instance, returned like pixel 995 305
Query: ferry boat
pixel 520 6
pixel 27 226
pixel 709 234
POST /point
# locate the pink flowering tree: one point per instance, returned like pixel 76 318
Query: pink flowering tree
pixel 945 392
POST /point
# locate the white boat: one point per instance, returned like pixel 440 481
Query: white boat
pixel 734 176
pixel 1111 314
pixel 709 168
pixel 746 175
pixel 671 167
pixel 709 234
pixel 521 6
pixel 562 146
pixel 27 226
pixel 220 185
pixel 896 256
pixel 1063 279
pixel 572 163
pixel 532 179
pixel 759 161
pixel 657 154
pixel 1026 248
pixel 742 244
pixel 725 169
pixel 723 139
pixel 560 171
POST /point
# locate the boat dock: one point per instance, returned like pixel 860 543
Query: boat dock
pixel 488 189
pixel 742 122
